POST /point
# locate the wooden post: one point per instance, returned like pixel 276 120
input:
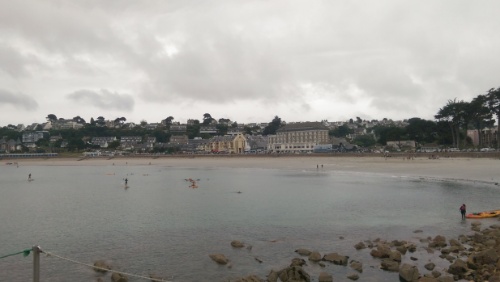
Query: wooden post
pixel 36 263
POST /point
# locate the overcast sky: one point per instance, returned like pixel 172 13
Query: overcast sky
pixel 246 60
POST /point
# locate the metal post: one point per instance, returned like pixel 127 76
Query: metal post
pixel 36 263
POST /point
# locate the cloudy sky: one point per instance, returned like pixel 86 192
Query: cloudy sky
pixel 246 60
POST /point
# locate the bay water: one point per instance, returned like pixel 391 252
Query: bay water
pixel 160 225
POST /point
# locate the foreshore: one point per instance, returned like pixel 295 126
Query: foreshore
pixel 443 168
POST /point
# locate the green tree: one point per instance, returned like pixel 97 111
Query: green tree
pixel 452 113
pixel 51 117
pixel 364 140
pixel 273 126
pixel 493 98
pixel 480 114
pixel 207 119
pixel 421 130
pixel 341 131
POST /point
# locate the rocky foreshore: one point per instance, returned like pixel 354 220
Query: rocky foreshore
pixel 472 257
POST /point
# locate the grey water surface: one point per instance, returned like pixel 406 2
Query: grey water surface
pixel 159 225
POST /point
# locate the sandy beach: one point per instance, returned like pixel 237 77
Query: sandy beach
pixel 452 169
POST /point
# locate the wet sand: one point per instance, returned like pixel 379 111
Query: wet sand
pixel 458 169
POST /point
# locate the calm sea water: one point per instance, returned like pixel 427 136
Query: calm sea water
pixel 158 225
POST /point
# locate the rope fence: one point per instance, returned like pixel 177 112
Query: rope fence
pixel 24 252
pixel 36 250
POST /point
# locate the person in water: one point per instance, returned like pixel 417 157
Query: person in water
pixel 126 181
pixel 29 176
pixel 463 210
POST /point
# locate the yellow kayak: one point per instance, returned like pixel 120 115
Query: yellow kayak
pixel 484 214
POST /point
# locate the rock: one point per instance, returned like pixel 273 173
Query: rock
pixel 298 262
pixel 428 279
pixel 360 246
pixel 488 256
pixel 395 256
pixel 446 279
pixel 336 258
pixel 272 276
pixel 455 242
pixel 237 244
pixel 408 273
pixel 101 266
pixel 353 276
pixel 303 252
pixel 436 273
pixel 219 258
pixel 258 259
pixel 356 265
pixel 117 277
pixel 382 251
pixel 430 266
pixel 418 231
pixel 413 258
pixel 251 278
pixel 438 242
pixel 389 265
pixel 402 249
pixel 294 274
pixel 325 277
pixel 315 256
pixel 459 267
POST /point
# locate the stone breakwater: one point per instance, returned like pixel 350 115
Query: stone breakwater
pixel 473 257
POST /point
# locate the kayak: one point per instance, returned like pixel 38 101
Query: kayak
pixel 484 214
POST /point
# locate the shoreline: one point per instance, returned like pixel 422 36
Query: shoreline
pixel 467 169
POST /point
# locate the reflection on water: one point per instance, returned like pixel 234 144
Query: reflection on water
pixel 160 225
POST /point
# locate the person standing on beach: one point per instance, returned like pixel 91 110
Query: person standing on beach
pixel 29 176
pixel 126 181
pixel 463 210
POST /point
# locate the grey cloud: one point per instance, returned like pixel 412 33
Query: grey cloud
pixel 103 99
pixel 18 100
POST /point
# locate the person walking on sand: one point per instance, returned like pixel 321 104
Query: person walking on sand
pixel 29 176
pixel 463 210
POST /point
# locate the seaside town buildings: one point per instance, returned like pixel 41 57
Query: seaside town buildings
pixel 291 138
pixel 298 138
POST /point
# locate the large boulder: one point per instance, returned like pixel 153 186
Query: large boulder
pixel 315 256
pixel 389 265
pixel 303 252
pixel 459 268
pixel 408 273
pixel 336 258
pixel 293 274
pixel 219 258
pixel 438 242
pixel 382 251
pixel 488 256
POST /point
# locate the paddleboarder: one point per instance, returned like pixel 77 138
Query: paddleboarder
pixel 463 210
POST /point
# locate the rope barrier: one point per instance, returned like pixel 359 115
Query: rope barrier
pixel 25 253
pixel 104 269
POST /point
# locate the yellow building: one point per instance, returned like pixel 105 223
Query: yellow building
pixel 232 144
